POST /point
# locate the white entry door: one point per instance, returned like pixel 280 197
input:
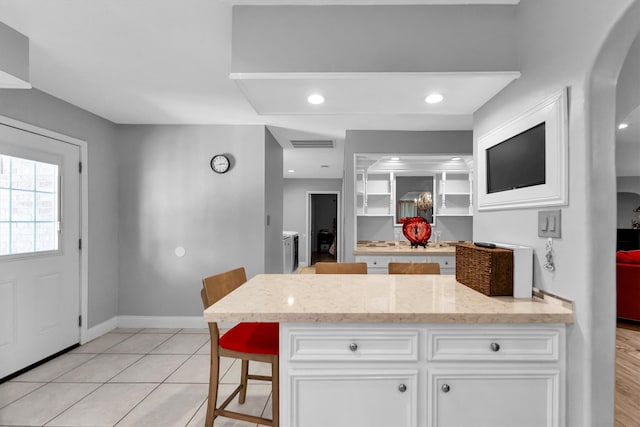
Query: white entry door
pixel 39 247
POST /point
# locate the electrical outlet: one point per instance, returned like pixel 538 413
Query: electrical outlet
pixel 549 223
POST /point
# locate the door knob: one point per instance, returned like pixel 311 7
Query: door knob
pixel 445 388
pixel 353 346
pixel 495 346
pixel 402 388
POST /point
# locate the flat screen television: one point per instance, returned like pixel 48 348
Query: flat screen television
pixel 517 162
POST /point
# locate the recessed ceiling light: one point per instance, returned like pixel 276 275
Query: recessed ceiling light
pixel 623 126
pixel 291 170
pixel 395 159
pixel 315 99
pixel 455 159
pixel 434 98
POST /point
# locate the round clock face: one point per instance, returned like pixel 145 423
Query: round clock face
pixel 220 163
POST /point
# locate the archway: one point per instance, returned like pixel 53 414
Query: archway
pixel 602 182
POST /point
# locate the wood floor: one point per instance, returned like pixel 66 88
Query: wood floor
pixel 627 375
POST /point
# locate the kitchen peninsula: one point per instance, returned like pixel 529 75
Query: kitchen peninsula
pixel 407 350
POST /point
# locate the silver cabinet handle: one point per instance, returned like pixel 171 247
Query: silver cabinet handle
pixel 353 346
pixel 402 388
pixel 495 346
pixel 445 388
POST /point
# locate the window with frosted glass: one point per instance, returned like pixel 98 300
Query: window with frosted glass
pixel 28 206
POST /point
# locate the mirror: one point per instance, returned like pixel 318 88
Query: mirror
pixel 415 197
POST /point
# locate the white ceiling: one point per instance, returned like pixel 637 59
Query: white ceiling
pixel 168 62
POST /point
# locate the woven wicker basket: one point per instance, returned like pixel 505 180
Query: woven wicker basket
pixel 489 271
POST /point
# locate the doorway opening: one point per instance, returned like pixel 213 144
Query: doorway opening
pixel 323 227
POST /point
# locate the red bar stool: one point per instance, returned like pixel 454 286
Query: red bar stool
pixel 245 341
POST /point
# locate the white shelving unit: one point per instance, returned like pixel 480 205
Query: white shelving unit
pixel 455 193
pixel 374 194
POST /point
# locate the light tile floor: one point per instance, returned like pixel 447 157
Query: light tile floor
pixel 130 377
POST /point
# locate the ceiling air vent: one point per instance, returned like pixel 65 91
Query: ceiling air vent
pixel 312 143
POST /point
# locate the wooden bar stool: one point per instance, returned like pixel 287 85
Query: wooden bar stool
pixel 245 341
pixel 414 268
pixel 341 267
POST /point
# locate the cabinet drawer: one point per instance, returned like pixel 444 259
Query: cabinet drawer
pixel 353 345
pixel 375 261
pixel 445 261
pixel 411 258
pixel 496 345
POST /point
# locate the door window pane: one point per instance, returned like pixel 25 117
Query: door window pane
pixel 28 206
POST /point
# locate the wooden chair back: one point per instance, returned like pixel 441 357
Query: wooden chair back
pixel 341 267
pixel 214 289
pixel 218 286
pixel 414 268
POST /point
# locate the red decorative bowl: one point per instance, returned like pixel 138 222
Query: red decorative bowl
pixel 417 230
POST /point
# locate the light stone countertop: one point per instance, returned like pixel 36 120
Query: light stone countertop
pixel 377 298
pixel 380 247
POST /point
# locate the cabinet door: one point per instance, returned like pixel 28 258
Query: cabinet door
pixel 447 263
pixel 480 397
pixel 353 398
pixel 376 264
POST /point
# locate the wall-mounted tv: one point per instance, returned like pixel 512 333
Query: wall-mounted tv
pixel 517 162
pixel 523 162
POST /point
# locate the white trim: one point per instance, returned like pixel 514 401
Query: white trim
pixel 101 329
pixel 84 211
pixel 553 111
pixel 150 322
pixel 369 75
pixel 161 322
pixel 338 223
pixel 368 2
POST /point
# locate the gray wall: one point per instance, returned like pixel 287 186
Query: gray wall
pixel 14 51
pixel 295 206
pixel 170 197
pixel 560 44
pixel 382 228
pixel 379 38
pixel 273 203
pixel 39 109
pixel 400 142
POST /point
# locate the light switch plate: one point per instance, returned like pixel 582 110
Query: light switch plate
pixel 549 223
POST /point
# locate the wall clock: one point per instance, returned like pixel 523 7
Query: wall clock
pixel 220 163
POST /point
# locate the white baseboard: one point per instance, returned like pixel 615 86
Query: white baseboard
pixel 101 328
pixel 161 322
pixel 149 322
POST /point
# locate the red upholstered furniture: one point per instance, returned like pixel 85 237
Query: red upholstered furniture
pixel 245 341
pixel 628 284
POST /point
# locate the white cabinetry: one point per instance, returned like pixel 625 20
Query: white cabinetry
pixel 349 376
pixel 378 264
pixel 500 376
pixel 374 194
pixel 422 375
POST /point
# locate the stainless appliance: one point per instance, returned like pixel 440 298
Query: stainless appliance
pixel 290 251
